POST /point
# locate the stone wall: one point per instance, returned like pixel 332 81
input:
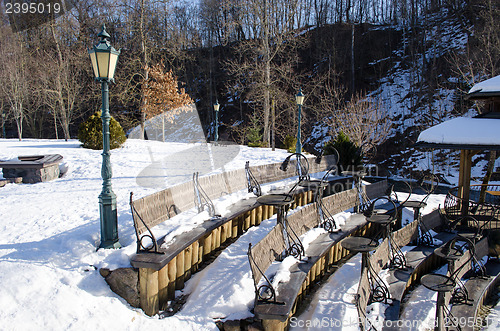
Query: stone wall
pixel 31 176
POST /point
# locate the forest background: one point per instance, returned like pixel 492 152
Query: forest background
pixel 252 56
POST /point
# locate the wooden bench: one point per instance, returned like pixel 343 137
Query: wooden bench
pixel 163 270
pixel 321 254
pixel 432 262
pixel 380 258
pixel 419 261
pixel 467 314
pixel 479 288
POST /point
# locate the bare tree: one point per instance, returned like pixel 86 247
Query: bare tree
pixel 362 119
pixel 14 76
pixel 60 78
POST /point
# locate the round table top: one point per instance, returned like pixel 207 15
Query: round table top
pixel 449 254
pixel 313 183
pixel 360 173
pixel 382 219
pixel 437 282
pixel 414 204
pixel 473 236
pixel 359 244
pixel 275 199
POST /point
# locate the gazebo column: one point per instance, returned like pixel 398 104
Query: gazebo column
pixel 464 179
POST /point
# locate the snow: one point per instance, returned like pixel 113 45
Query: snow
pixel 463 130
pixel 49 233
pixel 489 85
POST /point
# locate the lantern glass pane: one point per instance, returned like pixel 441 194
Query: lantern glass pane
pixel 113 59
pixel 93 59
pixel 103 63
pixel 299 99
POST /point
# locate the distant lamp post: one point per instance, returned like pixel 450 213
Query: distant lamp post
pixel 104 58
pixel 299 98
pixel 3 124
pixel 216 109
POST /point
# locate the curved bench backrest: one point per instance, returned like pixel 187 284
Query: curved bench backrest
pixel 160 206
pixel 266 251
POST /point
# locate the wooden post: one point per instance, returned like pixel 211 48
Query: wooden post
pixel 241 222
pixel 148 289
pixel 259 215
pixel 223 233
pixel 179 277
pixel 172 273
pixel 229 230
pixel 217 234
pixel 265 212
pixel 207 245
pixel 214 235
pixel 188 261
pixel 196 256
pixel 163 282
pixel 234 225
pixel 314 273
pixel 331 255
pixel 253 215
pixel 273 325
pixel 464 180
pixel 247 221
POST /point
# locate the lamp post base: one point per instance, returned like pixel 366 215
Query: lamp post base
pixel 109 221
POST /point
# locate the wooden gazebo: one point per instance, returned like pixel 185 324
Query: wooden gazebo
pixel 469 135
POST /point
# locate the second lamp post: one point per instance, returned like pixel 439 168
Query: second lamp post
pixel 299 98
pixel 216 109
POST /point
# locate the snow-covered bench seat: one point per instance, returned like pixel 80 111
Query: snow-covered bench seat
pixel 164 271
pixel 322 253
pixel 478 288
pixel 419 261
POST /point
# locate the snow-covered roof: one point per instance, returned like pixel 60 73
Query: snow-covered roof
pixel 489 87
pixel 463 133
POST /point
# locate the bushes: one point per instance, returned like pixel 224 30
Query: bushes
pixel 253 133
pixel 90 133
pixel 290 143
pixel 349 153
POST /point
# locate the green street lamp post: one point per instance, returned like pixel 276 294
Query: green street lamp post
pixel 299 98
pixel 3 124
pixel 104 57
pixel 216 108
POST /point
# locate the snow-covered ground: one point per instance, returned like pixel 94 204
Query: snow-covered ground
pixel 49 264
pixel 49 233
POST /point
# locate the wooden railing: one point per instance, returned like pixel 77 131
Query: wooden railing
pixel 489 207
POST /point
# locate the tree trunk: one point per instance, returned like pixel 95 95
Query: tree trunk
pixel 487 176
pixel 273 131
pixel 145 66
pixel 267 101
pixel 267 76
pixel 352 59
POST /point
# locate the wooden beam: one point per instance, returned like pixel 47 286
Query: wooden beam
pixel 466 159
pixel 163 282
pixel 148 291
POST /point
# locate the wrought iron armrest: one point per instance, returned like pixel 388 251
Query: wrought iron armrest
pixel 201 199
pixel 141 248
pixel 265 293
pixel 252 182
